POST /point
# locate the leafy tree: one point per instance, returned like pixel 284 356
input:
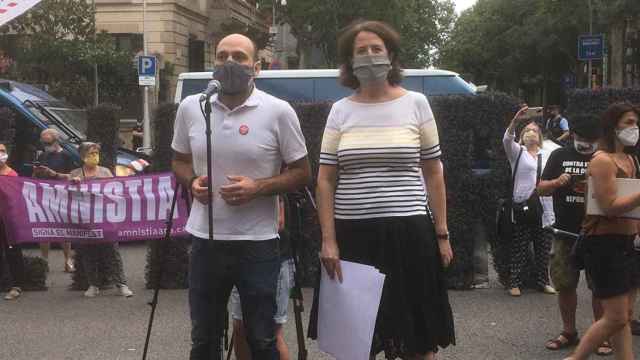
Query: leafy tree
pixel 58 46
pixel 515 45
pixel 423 24
pixel 526 45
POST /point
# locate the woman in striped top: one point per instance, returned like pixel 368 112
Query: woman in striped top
pixel 380 147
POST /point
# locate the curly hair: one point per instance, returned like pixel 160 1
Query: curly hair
pixel 346 40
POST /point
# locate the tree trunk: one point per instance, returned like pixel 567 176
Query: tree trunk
pixel 616 39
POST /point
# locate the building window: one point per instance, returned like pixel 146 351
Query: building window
pixel 131 43
pixel 196 55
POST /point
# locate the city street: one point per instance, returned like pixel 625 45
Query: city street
pixel 60 324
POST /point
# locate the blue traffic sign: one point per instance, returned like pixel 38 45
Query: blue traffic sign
pixel 591 47
pixel 147 66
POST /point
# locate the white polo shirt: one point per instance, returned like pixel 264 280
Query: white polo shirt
pixel 252 140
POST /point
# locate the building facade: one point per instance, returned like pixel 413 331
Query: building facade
pixel 182 34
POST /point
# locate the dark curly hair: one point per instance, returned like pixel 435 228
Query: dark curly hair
pixel 609 123
pixel 346 41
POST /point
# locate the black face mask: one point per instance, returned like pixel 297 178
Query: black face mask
pixel 234 77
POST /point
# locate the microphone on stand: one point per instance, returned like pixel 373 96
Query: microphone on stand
pixel 213 87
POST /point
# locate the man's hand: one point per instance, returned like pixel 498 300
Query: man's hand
pixel 199 190
pixel 446 254
pixel 43 172
pixel 241 190
pixel 563 180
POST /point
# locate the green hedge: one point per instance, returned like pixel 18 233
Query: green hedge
pixel 468 125
pixel 596 102
pixel 167 261
pixel 36 270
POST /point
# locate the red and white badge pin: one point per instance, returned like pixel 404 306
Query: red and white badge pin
pixel 244 129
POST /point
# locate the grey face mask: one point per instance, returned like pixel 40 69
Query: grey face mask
pixel 371 68
pixel 235 78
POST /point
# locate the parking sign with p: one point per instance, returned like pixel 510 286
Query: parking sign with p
pixel 147 70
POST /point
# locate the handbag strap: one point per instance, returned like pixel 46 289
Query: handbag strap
pixel 515 170
pixel 539 169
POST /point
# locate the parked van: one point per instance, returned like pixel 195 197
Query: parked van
pixel 36 110
pixel 323 85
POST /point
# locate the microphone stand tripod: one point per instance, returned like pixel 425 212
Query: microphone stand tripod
pixel 158 254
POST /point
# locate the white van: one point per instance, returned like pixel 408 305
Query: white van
pixel 323 85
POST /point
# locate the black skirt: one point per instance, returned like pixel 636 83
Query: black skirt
pixel 415 316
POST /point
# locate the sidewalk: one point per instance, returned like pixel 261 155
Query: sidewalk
pixel 62 325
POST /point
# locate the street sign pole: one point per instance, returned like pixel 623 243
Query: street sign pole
pixel 590 33
pixel 146 122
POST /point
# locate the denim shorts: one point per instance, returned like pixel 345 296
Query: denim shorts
pixel 285 284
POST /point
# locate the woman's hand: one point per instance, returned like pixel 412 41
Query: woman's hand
pixel 520 112
pixel 330 257
pixel 75 180
pixel 446 253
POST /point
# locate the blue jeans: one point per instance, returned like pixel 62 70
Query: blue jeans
pixel 215 267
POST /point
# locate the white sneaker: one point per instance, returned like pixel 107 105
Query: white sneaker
pixel 92 291
pixel 123 290
pixel 13 294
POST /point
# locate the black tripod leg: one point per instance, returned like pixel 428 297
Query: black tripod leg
pixel 298 301
pixel 158 254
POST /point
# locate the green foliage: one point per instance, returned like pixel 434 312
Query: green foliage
pixel 517 44
pixel 167 261
pixel 596 102
pixel 261 38
pixel 104 128
pixel 58 47
pixel 423 24
pixel 466 123
pixel 36 270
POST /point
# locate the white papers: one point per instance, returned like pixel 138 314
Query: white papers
pixel 625 187
pixel 348 310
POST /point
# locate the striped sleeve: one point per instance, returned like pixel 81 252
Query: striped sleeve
pixel 429 139
pixel 330 141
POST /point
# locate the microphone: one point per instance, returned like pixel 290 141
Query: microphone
pixel 213 87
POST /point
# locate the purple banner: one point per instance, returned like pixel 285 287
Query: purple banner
pixel 102 210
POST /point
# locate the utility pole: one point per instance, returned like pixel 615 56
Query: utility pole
pixel 590 33
pixel 96 98
pixel 146 122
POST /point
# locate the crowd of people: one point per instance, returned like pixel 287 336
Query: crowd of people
pixel 550 188
pixel 381 202
pixel 56 164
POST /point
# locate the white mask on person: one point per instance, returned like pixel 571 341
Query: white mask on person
pixel 628 136
pixel 584 147
pixel 3 158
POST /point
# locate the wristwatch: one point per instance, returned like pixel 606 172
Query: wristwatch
pixel 444 236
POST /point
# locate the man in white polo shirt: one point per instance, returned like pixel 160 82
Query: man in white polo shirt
pixel 253 134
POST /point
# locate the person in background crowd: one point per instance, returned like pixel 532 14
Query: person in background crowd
pixel 12 253
pixel 557 125
pixel 528 159
pixel 254 133
pixel 564 178
pixel 609 256
pixel 379 149
pixel 90 253
pixel 56 159
pixel 137 136
pixel 285 283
